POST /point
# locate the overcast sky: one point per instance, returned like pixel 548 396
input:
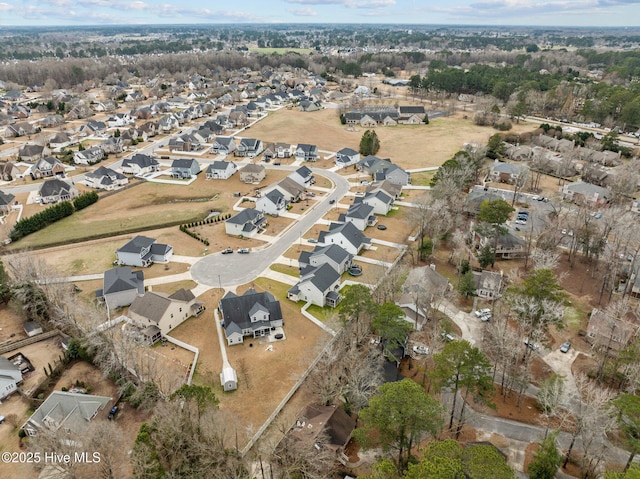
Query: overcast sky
pixel 474 12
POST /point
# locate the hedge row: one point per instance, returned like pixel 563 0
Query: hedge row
pixel 185 227
pixel 36 222
pixel 84 200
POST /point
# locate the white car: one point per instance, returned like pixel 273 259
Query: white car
pixel 521 222
pixel 482 312
pixel 419 349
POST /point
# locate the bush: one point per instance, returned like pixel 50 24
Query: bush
pixel 44 218
pixel 504 126
pixel 85 200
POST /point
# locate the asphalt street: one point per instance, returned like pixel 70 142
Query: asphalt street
pixel 233 269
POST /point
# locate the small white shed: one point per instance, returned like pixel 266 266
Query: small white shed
pixel 228 379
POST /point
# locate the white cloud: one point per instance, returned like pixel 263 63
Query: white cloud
pixel 348 3
pixel 303 12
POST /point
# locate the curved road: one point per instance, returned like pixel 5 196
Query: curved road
pixel 230 270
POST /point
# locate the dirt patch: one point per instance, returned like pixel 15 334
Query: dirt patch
pixel 11 325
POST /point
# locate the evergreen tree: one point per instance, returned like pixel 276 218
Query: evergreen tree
pixel 369 144
pixel 546 460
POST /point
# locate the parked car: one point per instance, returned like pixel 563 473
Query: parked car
pixel 419 349
pixel 532 345
pixel 521 222
pixel 481 312
pixel 597 216
pixel 566 346
pixel 1 419
pixel 276 163
pixel 448 337
pixel 311 194
pixel 486 317
pixel 227 251
pixel 332 202
pixel 112 413
pixel 312 240
pixel 243 251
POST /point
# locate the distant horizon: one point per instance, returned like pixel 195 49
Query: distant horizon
pixel 470 13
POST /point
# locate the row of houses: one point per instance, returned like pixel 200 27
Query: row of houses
pixel 386 116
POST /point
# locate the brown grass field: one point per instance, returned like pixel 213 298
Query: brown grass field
pixel 410 146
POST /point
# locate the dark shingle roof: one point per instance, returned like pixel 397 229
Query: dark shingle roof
pixel 236 309
pixel 136 244
pixel 245 216
pixel 117 280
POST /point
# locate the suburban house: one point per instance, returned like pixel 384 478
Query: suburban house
pixel 634 281
pixel 276 150
pixel 60 140
pixel 221 170
pixel 32 153
pixel 509 246
pixel 89 156
pixel 585 193
pixel 333 255
pixel 224 145
pixel 247 223
pixel 47 167
pixel 422 287
pixel 317 285
pixel 476 197
pixel 345 235
pixel 249 147
pixel 18 129
pixel 501 172
pixel 140 165
pixel 411 115
pixel 360 215
pixel 272 203
pixel 55 190
pixel 606 333
pixel 113 145
pixel 291 189
pixel 120 286
pixel 488 284
pixel 10 377
pixel 331 421
pixel 251 314
pixel 72 412
pixel 381 170
pixel 347 157
pixel 184 168
pixel 306 152
pixel 119 120
pixel 9 171
pixel 303 176
pixel 143 251
pixel 252 173
pixel 6 202
pixel 104 178
pixel 308 105
pixel 162 311
pixel 380 201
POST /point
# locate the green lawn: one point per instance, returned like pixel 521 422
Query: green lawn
pixel 422 178
pixel 323 314
pixel 281 268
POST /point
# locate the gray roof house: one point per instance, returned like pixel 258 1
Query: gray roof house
pixel 10 377
pixel 252 315
pixel 607 333
pixel 221 170
pixel 247 223
pixel 345 235
pixel 381 170
pixel 165 312
pixel 120 286
pixel 6 201
pixel 580 192
pixel 306 152
pixel 104 178
pixel 506 172
pixel 140 164
pixel 317 285
pixel 333 255
pixel 55 190
pixel 224 145
pixel 249 147
pixel 380 201
pixel 347 157
pixel 185 168
pixel 360 215
pixel 71 411
pixel 89 156
pixel 272 203
pixel 488 284
pixel 303 176
pixel 47 167
pixel 391 189
pixel 31 153
pixel 143 251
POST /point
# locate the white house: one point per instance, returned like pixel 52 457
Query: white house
pixel 317 285
pixel 247 223
pixel 104 178
pixel 272 203
pixel 360 215
pixel 347 157
pixel 10 377
pixel 380 201
pixel 333 255
pixel 345 235
pixel 140 165
pixel 221 170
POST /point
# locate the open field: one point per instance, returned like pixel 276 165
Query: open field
pixel 410 146
pixel 147 205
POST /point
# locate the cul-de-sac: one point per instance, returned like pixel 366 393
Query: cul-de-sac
pixel 319 251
